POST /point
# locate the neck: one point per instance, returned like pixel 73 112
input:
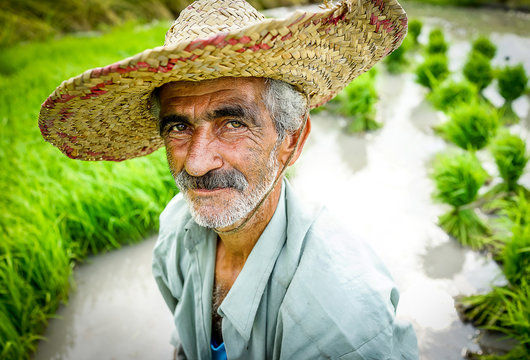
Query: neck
pixel 238 245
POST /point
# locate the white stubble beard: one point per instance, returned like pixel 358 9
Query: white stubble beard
pixel 241 205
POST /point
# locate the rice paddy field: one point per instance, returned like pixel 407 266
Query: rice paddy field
pixel 57 211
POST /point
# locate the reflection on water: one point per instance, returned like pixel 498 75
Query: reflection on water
pixel 443 261
pixel 115 313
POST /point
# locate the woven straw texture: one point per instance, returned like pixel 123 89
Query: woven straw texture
pixel 104 113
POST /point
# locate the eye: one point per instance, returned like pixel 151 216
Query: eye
pixel 179 127
pixel 234 124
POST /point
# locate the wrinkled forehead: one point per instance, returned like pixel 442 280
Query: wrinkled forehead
pixel 244 88
pixel 197 100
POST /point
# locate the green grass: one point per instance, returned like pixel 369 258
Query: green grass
pixel 55 210
pixel 24 20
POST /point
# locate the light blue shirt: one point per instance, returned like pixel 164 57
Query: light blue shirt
pixel 308 290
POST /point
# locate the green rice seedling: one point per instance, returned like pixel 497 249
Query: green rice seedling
pixel 478 70
pixel 504 309
pixel 450 94
pixel 484 46
pixel 432 71
pixel 512 209
pixel 437 43
pixel 436 33
pixel 397 61
pixel 483 309
pixel 517 209
pixel 414 31
pixel 516 255
pixel 512 83
pixel 509 152
pixel 357 102
pixel 470 126
pixel 458 178
pixel 516 353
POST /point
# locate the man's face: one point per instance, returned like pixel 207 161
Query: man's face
pixel 220 143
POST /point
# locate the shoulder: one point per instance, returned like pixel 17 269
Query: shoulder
pixel 341 295
pixel 173 219
pixel 169 246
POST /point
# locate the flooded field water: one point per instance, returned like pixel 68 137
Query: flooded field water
pixel 377 182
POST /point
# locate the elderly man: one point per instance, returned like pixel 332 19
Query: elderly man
pixel 246 269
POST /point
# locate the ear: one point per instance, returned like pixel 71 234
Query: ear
pixel 294 143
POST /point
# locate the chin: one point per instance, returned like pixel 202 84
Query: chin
pixel 216 216
pixel 216 220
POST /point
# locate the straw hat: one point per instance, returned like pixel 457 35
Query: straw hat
pixel 104 113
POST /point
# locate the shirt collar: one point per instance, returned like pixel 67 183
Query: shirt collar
pixel 242 301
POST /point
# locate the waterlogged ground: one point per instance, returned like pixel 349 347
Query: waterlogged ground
pixel 378 183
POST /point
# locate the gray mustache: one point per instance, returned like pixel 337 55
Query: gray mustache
pixel 212 180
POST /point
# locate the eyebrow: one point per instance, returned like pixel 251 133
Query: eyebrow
pixel 235 111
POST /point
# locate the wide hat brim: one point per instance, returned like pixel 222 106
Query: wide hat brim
pixel 105 113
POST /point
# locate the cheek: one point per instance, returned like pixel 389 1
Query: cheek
pixel 174 155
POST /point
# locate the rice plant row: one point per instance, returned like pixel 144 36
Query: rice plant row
pixel 498 220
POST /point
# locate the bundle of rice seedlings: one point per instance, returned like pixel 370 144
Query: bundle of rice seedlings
pixel 484 46
pixel 512 83
pixel 478 70
pixel 470 125
pixel 450 94
pixel 432 71
pixel 509 152
pixel 504 309
pixel 397 62
pixel 357 102
pixel 516 255
pixel 414 30
pixel 437 43
pixel 458 178
pixel 483 309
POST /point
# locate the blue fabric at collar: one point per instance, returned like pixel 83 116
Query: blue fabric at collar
pixel 218 352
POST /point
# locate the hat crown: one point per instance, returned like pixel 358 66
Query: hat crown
pixel 205 18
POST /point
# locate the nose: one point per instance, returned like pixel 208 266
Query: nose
pixel 202 155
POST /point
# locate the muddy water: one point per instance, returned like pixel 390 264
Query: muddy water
pixel 115 313
pixel 377 182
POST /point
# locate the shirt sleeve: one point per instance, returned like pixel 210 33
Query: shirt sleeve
pixel 161 276
pixel 397 342
pixel 161 279
pixel 164 265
